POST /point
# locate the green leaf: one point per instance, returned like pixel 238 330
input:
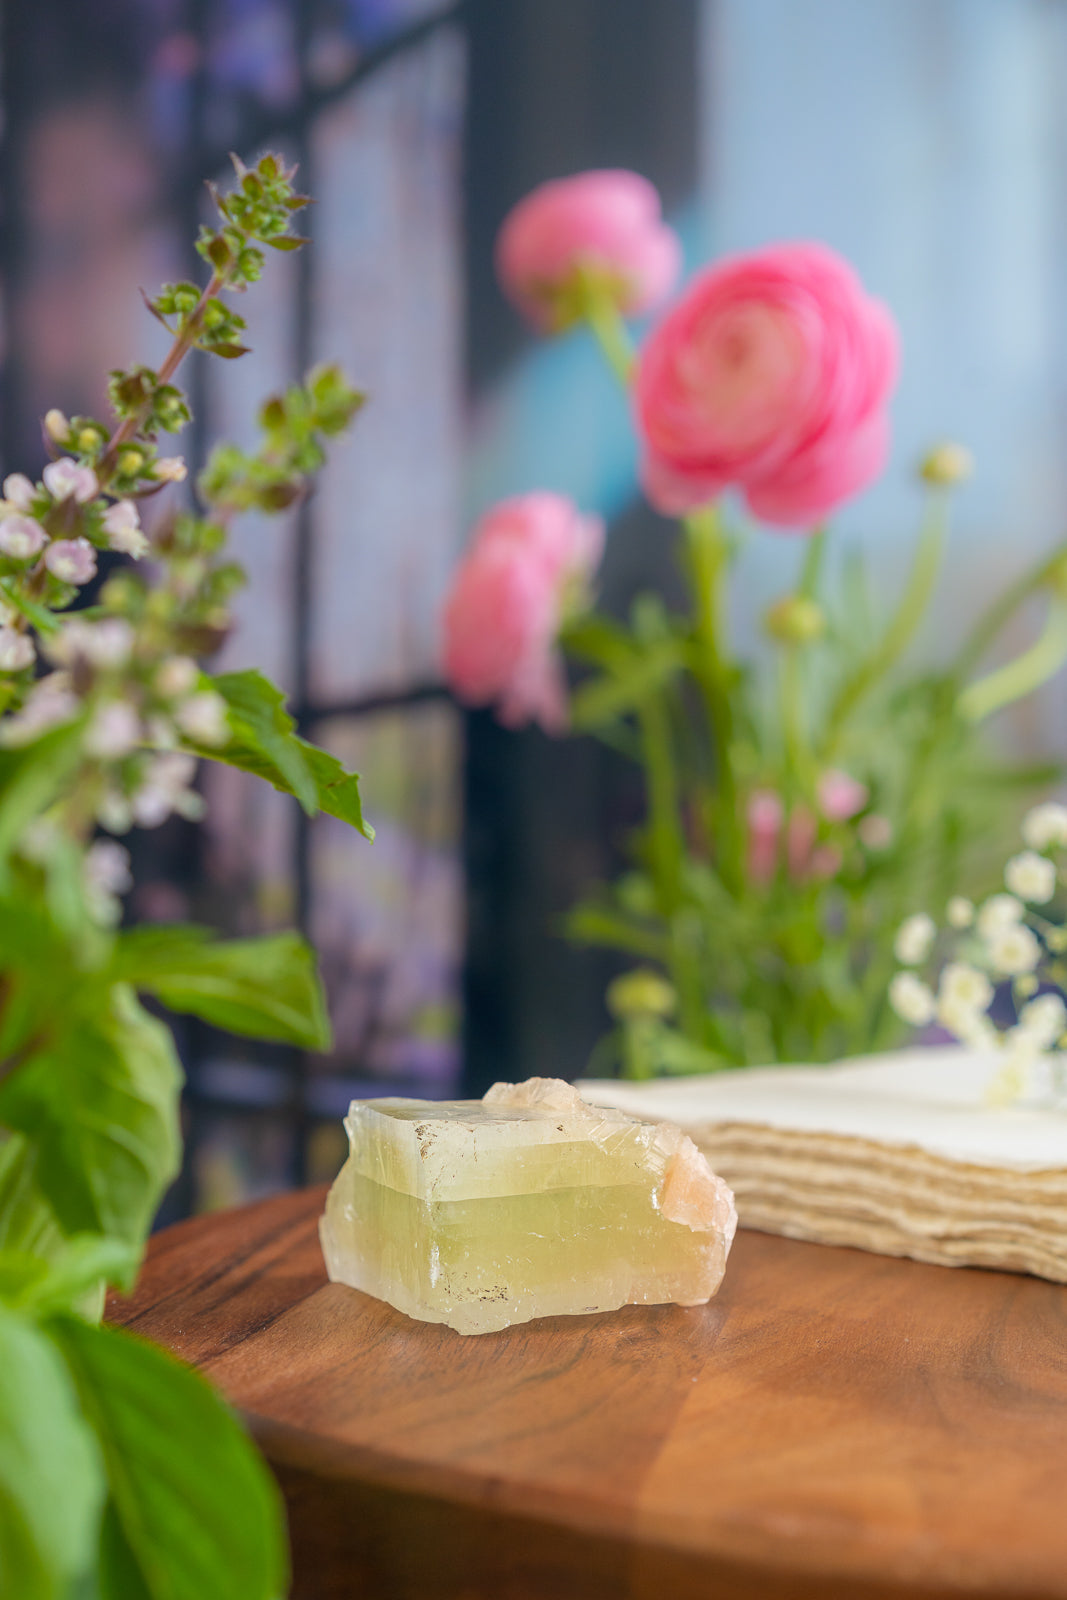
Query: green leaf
pixel 199 1515
pixel 31 777
pixel 51 1482
pixel 100 1104
pixel 265 742
pixel 266 988
pixel 41 1286
pixel 614 694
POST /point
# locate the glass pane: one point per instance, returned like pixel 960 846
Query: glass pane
pixel 387 918
pixel 388 305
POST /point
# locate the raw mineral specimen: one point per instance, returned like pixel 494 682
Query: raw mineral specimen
pixel 528 1203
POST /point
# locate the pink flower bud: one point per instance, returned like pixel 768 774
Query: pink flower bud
pixel 507 602
pixel 799 841
pixel 841 796
pixel 71 560
pixel 765 816
pixel 772 373
pixel 66 480
pixel 607 224
pixel 18 490
pixel 123 528
pixel 16 651
pixel 21 537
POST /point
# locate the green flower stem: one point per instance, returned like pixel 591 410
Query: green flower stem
pixel 902 625
pixel 811 571
pixel 667 853
pixel 794 736
pixel 1004 608
pixel 1023 675
pixel 183 343
pixel 601 312
pixel 707 568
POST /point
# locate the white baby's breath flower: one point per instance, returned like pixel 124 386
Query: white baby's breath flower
pixel 959 912
pixel 1044 1020
pixel 19 491
pixel 968 1023
pixel 114 731
pixel 202 718
pixel 969 985
pixel 16 651
pixel 1045 825
pixel 21 537
pixel 1031 877
pixel 176 677
pixel 911 999
pixel 169 469
pixel 65 480
pixel 1013 950
pixel 999 911
pixel 123 528
pixel 914 939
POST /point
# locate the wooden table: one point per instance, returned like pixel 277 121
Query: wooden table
pixel 833 1425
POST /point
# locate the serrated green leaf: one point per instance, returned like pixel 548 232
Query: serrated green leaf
pixel 100 1104
pixel 264 742
pixel 51 1478
pixel 265 988
pixel 31 777
pixel 199 1515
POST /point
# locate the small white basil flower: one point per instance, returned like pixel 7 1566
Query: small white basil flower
pixel 915 938
pixel 911 999
pixel 999 911
pixel 169 469
pixel 19 491
pixel 1045 825
pixel 123 528
pixel 113 732
pixel 1013 950
pixel 178 675
pixel 166 789
pixel 1031 877
pixel 56 425
pixel 66 480
pixel 203 718
pixel 114 812
pixel 108 643
pixel 107 867
pixel 959 912
pixel 16 651
pixel 71 560
pixel 21 537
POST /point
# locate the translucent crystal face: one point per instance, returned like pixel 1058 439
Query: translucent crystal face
pixel 528 1203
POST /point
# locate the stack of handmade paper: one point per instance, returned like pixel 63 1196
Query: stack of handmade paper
pixel 901 1154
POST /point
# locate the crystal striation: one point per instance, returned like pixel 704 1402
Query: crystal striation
pixel 528 1203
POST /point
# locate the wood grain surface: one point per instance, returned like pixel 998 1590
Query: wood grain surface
pixel 832 1426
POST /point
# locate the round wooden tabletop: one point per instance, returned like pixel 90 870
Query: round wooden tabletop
pixel 833 1424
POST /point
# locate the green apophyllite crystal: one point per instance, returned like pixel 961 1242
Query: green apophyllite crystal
pixel 529 1203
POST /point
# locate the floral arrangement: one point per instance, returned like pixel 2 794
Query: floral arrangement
pixel 122 1472
pixel 1002 990
pixel 799 805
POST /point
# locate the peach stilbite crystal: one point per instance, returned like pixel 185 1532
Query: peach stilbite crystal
pixel 527 1203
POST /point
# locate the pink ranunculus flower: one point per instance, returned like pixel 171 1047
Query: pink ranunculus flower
pixel 841 796
pixel 772 375
pixel 507 602
pixel 765 817
pixel 607 223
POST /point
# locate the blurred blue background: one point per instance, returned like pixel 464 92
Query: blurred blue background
pixel 925 139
